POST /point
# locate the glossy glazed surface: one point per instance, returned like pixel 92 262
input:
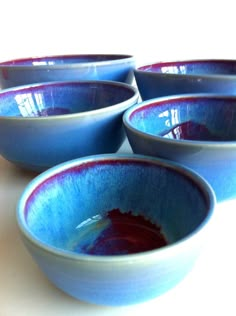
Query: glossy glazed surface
pixel 213 116
pixel 65 59
pixel 55 99
pixel 66 68
pixel 185 77
pixel 190 130
pixel 193 67
pixel 58 201
pixel 45 124
pixel 117 233
pixel 197 131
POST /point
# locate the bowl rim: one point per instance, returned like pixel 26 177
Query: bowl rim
pixel 166 251
pixel 178 142
pixel 112 60
pixel 101 111
pixel 140 69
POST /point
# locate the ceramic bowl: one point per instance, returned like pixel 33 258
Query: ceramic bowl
pixel 189 76
pixel 42 125
pixel 66 68
pixel 198 131
pixel 116 229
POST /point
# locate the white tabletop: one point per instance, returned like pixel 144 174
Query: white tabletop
pixel 24 290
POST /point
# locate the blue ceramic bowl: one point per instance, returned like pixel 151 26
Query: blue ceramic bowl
pixel 198 131
pixel 66 68
pixel 92 225
pixel 189 76
pixel 42 125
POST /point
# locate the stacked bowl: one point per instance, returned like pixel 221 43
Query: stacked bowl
pixel 111 228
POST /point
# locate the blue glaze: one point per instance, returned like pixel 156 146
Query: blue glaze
pixel 215 160
pixel 66 68
pixel 53 195
pixel 87 119
pixel 57 201
pixel 186 77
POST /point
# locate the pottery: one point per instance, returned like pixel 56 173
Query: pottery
pixel 186 77
pixel 66 68
pixel 42 125
pixel 197 131
pixel 87 223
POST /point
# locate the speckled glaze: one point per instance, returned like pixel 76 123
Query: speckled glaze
pixel 66 68
pixel 45 124
pixel 214 159
pixel 54 204
pixel 185 77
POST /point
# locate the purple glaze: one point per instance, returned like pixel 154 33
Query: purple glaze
pixel 191 130
pixel 53 111
pixel 118 233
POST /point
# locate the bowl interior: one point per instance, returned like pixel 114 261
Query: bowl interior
pixel 62 98
pixel 66 59
pixel 194 67
pixel 59 209
pixel 189 118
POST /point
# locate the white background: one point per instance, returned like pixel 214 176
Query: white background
pixel 151 31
